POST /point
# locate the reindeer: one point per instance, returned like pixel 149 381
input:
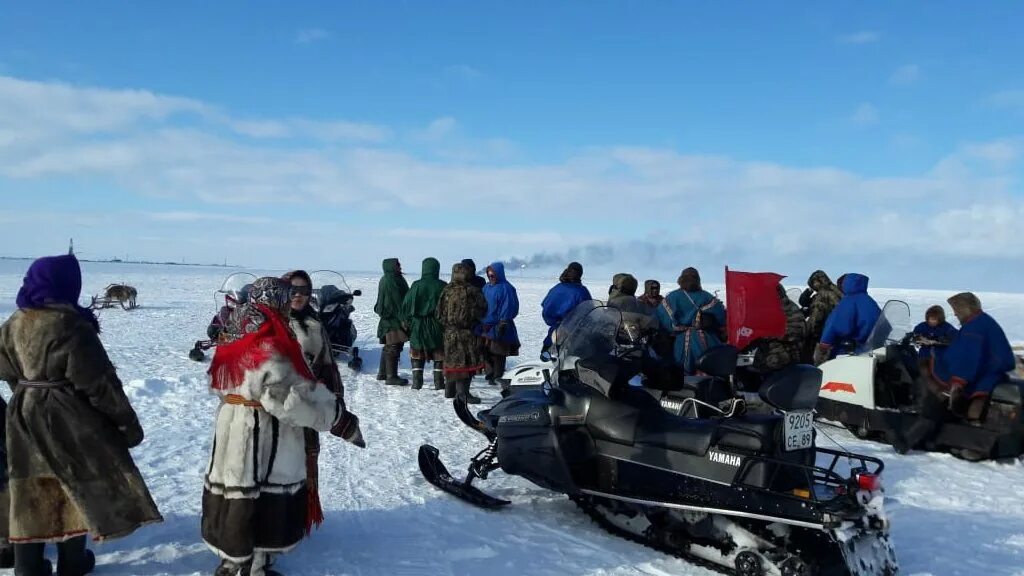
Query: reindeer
pixel 116 293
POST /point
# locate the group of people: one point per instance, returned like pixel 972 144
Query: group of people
pixel 463 327
pixel 69 426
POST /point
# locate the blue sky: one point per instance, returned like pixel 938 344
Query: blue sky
pixel 781 136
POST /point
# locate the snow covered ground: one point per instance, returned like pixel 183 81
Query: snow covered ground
pixel 950 517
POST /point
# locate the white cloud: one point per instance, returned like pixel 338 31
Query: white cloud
pixel 327 131
pixel 861 37
pixel 864 115
pixel 1000 153
pixel 905 75
pixel 486 236
pixel 439 128
pixel 218 165
pixel 1007 99
pixel 311 35
pixel 185 216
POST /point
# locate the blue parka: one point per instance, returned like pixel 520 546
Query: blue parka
pixel 502 306
pixel 560 301
pixel 979 358
pixel 855 316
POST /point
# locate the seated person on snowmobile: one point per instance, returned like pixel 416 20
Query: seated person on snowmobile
pixel 694 317
pixel 817 302
pixel 773 354
pixel 850 324
pixel 231 303
pixel 934 334
pixel 973 365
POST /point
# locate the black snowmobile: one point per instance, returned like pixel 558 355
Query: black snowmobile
pixel 742 493
pixel 235 292
pixel 332 299
pixel 872 393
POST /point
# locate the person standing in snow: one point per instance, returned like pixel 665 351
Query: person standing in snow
pixel 426 336
pixel 652 297
pixel 498 328
pixel 460 310
pixel 820 304
pixel 623 294
pixel 977 360
pixel 474 279
pixel 562 299
pixel 694 317
pixel 934 334
pixel 391 330
pixel 316 347
pixel 69 428
pixel 848 326
pixel 256 499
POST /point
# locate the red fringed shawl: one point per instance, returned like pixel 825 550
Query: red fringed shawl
pixel 232 360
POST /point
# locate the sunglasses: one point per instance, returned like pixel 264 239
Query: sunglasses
pixel 300 291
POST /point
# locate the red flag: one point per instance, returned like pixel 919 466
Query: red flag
pixel 753 309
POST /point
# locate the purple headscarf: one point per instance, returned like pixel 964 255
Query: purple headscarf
pixel 54 280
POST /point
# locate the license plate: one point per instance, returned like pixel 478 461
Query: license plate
pixel 798 430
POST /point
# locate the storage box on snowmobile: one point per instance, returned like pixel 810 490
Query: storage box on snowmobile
pixel 528 444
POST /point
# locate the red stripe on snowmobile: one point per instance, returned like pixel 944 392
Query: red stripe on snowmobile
pixel 839 387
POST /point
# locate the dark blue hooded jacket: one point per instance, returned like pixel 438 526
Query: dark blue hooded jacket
pixel 944 332
pixel 980 356
pixel 854 317
pixel 502 306
pixel 560 301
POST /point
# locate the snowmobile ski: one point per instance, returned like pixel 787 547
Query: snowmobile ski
pixel 435 472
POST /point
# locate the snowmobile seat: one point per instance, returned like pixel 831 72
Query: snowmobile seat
pixel 794 387
pixel 753 432
pixel 633 416
pixel 719 361
pixel 675 433
pixel 1008 392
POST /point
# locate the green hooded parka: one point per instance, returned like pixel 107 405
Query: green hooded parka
pixel 426 336
pixel 390 293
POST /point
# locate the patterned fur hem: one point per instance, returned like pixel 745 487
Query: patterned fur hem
pixel 464 370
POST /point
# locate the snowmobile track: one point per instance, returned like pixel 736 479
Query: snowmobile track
pixel 590 510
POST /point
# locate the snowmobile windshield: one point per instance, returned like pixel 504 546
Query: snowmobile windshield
pixel 329 287
pixel 596 334
pixel 236 287
pixel 892 326
pixel 794 295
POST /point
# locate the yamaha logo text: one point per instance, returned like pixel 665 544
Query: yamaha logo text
pixel 723 458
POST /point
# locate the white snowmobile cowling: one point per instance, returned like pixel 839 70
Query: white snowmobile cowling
pixel 850 380
pixel 530 374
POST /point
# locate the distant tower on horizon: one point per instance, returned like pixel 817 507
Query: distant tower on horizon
pixel 71 247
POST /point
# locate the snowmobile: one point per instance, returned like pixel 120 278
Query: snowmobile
pixel 871 392
pixel 234 292
pixel 332 299
pixel 746 494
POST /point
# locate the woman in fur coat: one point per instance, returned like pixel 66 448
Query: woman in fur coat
pixel 256 500
pixel 69 428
